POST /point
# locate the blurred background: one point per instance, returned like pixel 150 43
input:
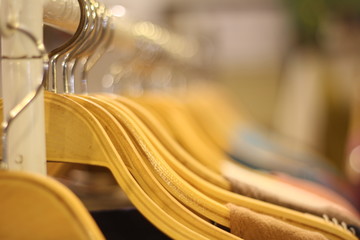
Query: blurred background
pixel 292 66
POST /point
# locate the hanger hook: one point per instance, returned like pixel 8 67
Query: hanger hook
pixel 105 39
pixel 29 98
pixel 51 83
pixel 83 46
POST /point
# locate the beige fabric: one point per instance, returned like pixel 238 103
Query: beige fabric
pixel 250 225
pixel 331 210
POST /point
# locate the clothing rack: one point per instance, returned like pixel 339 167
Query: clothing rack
pixel 178 176
pixel 65 14
pixel 128 37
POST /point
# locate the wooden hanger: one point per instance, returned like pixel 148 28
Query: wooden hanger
pixel 214 192
pixel 151 163
pixel 111 153
pixel 162 134
pixel 296 218
pixel 186 131
pixel 75 135
pixel 121 151
pixel 37 207
pixel 137 129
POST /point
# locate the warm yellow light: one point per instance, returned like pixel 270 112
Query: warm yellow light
pixel 118 11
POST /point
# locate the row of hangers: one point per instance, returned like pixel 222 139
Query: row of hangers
pixel 171 169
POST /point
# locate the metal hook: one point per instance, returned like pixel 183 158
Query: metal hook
pixel 89 44
pixel 81 45
pixel 29 98
pixel 94 19
pixel 106 37
pixel 99 35
pixel 51 83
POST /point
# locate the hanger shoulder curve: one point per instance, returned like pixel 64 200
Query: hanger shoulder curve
pixel 42 208
pixel 141 169
pixel 85 122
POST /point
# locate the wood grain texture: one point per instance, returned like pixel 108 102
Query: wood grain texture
pixel 75 135
pixel 37 207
